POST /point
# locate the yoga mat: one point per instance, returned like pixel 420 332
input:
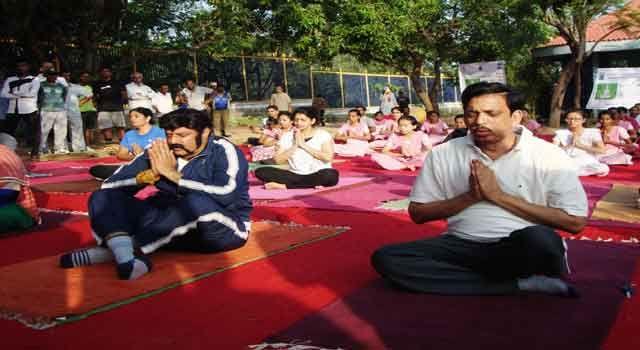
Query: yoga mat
pixel 620 204
pixel 381 317
pixel 62 171
pixel 366 197
pixel 395 205
pixel 74 294
pixel 258 192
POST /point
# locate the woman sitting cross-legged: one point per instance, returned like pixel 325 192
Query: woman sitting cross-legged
pixel 308 151
pixel 134 142
pixel 356 136
pixel 270 137
pixel 405 149
pixel 616 141
pixel 583 145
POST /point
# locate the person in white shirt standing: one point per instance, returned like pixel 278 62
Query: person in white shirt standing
pixel 75 93
pixel 22 92
pixel 197 97
pixel 503 192
pixel 139 94
pixel 162 101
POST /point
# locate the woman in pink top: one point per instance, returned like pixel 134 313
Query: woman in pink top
pixel 355 136
pixel 529 123
pixel 405 149
pixel 436 129
pixel 616 140
pixel 270 136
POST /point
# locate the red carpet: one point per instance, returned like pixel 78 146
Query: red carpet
pixel 80 292
pixel 381 317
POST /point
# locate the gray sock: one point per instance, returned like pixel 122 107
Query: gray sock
pixel 122 248
pixel 546 285
pixel 84 257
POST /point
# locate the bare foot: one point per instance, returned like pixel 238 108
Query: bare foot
pixel 275 186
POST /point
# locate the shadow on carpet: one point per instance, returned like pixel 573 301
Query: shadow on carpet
pixel 381 317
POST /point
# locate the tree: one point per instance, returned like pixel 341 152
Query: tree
pixel 571 18
pixel 406 35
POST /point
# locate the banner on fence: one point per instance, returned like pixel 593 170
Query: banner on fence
pixel 615 87
pixel 472 73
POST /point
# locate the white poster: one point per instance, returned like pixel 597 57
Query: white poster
pixel 472 73
pixel 615 87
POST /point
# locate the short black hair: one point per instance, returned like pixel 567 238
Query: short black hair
pixel 145 112
pixel 272 107
pixel 186 118
pixel 458 116
pixel 515 100
pixel 356 111
pixel 285 113
pixel 311 113
pixel 578 111
pixel 411 119
pixel 603 113
pixel 430 113
pixel 396 107
pixel 361 106
pixel 622 109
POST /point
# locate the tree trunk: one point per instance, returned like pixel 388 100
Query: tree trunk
pixel 559 91
pixel 417 82
pixel 437 86
pixel 577 79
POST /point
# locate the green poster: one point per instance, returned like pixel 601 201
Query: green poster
pixel 606 91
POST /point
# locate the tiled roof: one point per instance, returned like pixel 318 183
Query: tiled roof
pixel 600 27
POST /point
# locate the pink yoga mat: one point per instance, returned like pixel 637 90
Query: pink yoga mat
pixel 258 192
pixel 367 197
pixel 57 171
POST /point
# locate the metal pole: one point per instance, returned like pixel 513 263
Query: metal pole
pixel 410 89
pixel 244 79
pixel 284 72
pixel 313 94
pixel 195 67
pixel 341 87
pixel 366 85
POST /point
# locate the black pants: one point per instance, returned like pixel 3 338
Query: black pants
pixel 324 177
pixel 32 127
pixel 103 172
pixel 455 266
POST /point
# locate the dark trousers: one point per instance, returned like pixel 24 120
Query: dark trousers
pixel 324 177
pixel 103 171
pixel 160 220
pixel 455 266
pixel 32 127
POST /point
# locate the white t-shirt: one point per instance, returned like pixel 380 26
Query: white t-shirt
pixel 589 137
pixel 301 162
pixel 22 94
pixel 163 103
pixel 535 170
pixel 196 97
pixel 139 96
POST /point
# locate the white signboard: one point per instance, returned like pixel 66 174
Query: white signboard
pixel 472 73
pixel 615 87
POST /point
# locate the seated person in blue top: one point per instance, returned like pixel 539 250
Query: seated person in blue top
pixel 134 141
pixel 202 205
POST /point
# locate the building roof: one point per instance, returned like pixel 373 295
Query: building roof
pixel 601 26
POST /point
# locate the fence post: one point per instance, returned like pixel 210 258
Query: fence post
pixel 284 72
pixel 313 94
pixel 244 79
pixel 341 87
pixel 366 85
pixel 195 67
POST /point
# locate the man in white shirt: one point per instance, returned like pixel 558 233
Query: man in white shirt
pixel 281 99
pixel 502 191
pixel 47 66
pixel 139 94
pixel 197 96
pixel 162 101
pixel 22 92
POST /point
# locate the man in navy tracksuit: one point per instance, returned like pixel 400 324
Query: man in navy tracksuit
pixel 202 205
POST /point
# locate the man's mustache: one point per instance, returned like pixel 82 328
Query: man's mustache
pixel 176 146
